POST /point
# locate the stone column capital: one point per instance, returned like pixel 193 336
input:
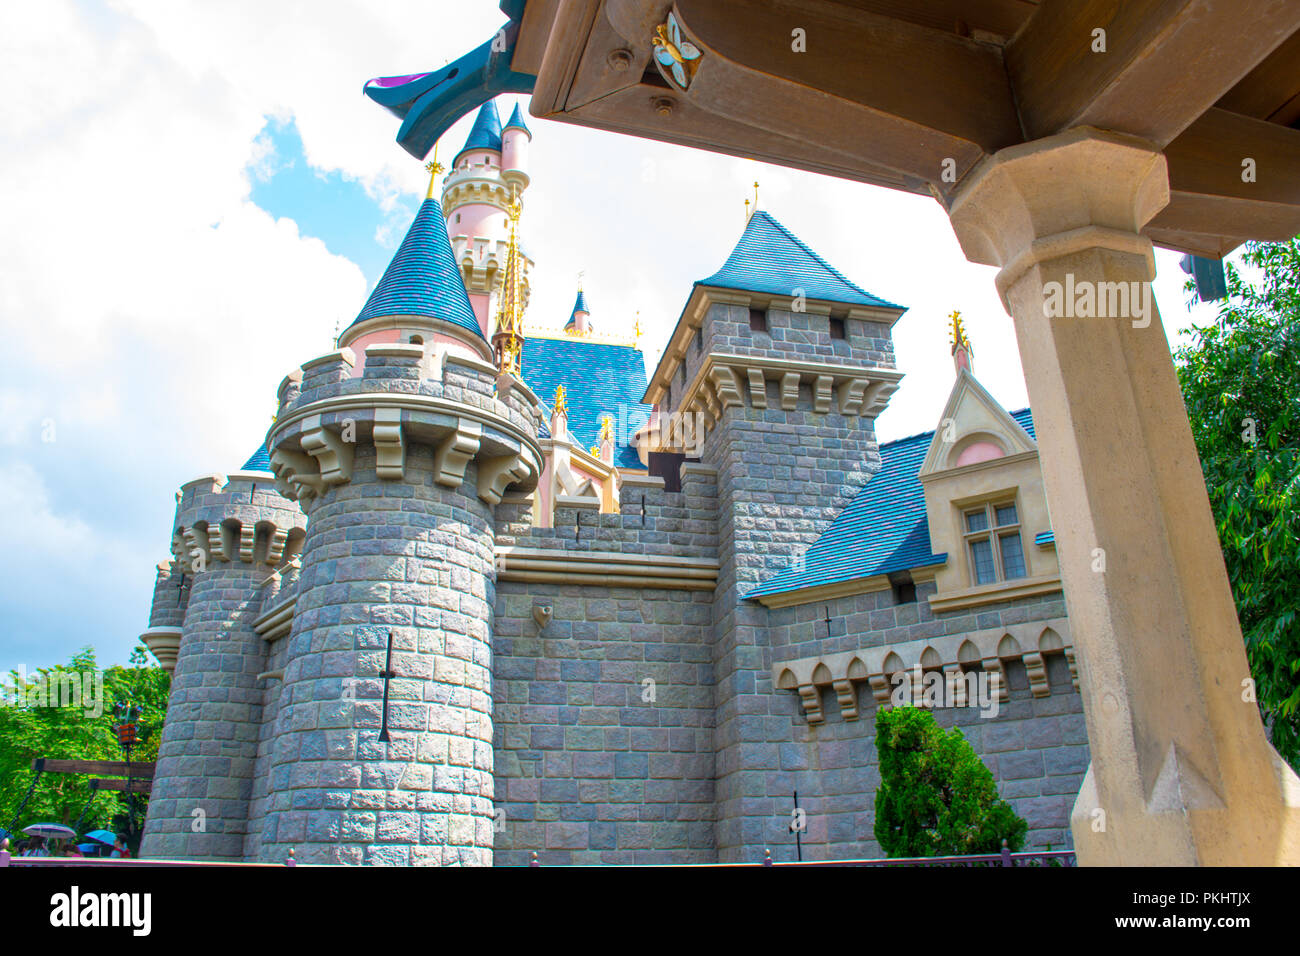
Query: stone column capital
pixel 1084 188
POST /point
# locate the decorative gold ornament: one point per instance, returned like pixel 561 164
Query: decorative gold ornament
pixel 561 403
pixel 958 332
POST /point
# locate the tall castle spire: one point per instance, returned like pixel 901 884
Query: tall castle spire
pixel 508 338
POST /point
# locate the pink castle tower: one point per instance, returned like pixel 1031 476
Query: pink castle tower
pixel 489 170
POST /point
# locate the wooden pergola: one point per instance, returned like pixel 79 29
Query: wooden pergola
pixel 1064 138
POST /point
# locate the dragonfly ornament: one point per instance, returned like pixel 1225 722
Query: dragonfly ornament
pixel 676 57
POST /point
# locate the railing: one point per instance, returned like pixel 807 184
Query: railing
pixel 1061 858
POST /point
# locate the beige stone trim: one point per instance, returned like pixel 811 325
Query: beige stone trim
pixel 826 592
pixel 606 569
pixel 276 622
pixel 987 649
pixel 995 593
pixel 578 502
pixel 164 644
pixel 455 452
pixel 390 441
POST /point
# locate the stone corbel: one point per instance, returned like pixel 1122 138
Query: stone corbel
pixel 297 472
pixel 1074 667
pixel 390 444
pixel 757 388
pixel 811 699
pixel 275 546
pixel 956 682
pixel 848 698
pixel 455 453
pixel 822 394
pixel 194 542
pixel 880 689
pixel 1037 671
pixel 997 677
pixel 216 544
pixel 852 393
pixel 247 541
pixel 495 475
pixel 878 397
pixel 728 387
pixel 789 391
pixel 333 453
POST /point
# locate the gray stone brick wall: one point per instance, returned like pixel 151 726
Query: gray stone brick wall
pixel 1036 747
pixel 209 741
pixel 412 557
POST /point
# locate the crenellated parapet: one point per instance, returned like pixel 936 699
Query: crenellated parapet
pixel 455 404
pixel 233 518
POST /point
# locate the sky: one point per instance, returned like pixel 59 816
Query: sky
pixel 197 196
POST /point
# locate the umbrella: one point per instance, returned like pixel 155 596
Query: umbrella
pixel 51 831
pixel 89 847
pixel 103 836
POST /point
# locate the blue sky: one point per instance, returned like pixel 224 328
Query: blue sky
pixel 197 195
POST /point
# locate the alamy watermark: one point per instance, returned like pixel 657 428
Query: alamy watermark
pixel 1086 299
pixel 62 688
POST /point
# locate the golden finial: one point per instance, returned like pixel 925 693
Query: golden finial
pixel 746 210
pixel 508 339
pixel 755 195
pixel 606 428
pixel 636 328
pixel 959 332
pixel 434 167
pixel 561 404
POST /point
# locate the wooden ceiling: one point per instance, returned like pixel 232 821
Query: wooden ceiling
pixel 896 92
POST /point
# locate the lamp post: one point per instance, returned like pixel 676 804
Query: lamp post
pixel 126 725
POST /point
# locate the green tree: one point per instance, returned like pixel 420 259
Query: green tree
pixel 936 797
pixel 64 712
pixel 1240 377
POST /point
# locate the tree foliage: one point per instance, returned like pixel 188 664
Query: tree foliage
pixel 1240 378
pixel 936 797
pixel 43 716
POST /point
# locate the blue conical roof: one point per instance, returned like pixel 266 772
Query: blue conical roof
pixel 423 279
pixel 770 258
pixel 486 133
pixel 579 305
pixel 517 121
pixel 258 461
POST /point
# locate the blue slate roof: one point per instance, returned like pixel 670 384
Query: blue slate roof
pixel 258 461
pixel 770 258
pixel 883 529
pixel 598 379
pixel 486 131
pixel 423 278
pixel 517 121
pixel 579 305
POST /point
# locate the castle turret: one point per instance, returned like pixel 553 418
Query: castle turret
pixel 487 174
pixel 515 140
pixel 579 322
pixel 231 533
pixel 383 745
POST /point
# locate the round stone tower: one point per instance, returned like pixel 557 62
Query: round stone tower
pixel 231 533
pixel 383 749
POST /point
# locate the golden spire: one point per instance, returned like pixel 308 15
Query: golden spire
pixel 636 328
pixel 561 404
pixel 959 338
pixel 606 428
pixel 508 339
pixel 434 167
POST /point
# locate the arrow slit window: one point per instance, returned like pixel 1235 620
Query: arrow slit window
pixel 993 542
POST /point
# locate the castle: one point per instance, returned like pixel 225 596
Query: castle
pixel 486 591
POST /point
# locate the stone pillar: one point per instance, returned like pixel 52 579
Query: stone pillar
pixel 400 482
pixel 198 808
pixel 1181 772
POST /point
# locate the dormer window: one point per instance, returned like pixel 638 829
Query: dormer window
pixel 992 535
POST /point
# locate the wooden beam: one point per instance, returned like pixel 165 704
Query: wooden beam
pixel 1165 62
pixel 137 786
pixel 112 768
pixel 1216 195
